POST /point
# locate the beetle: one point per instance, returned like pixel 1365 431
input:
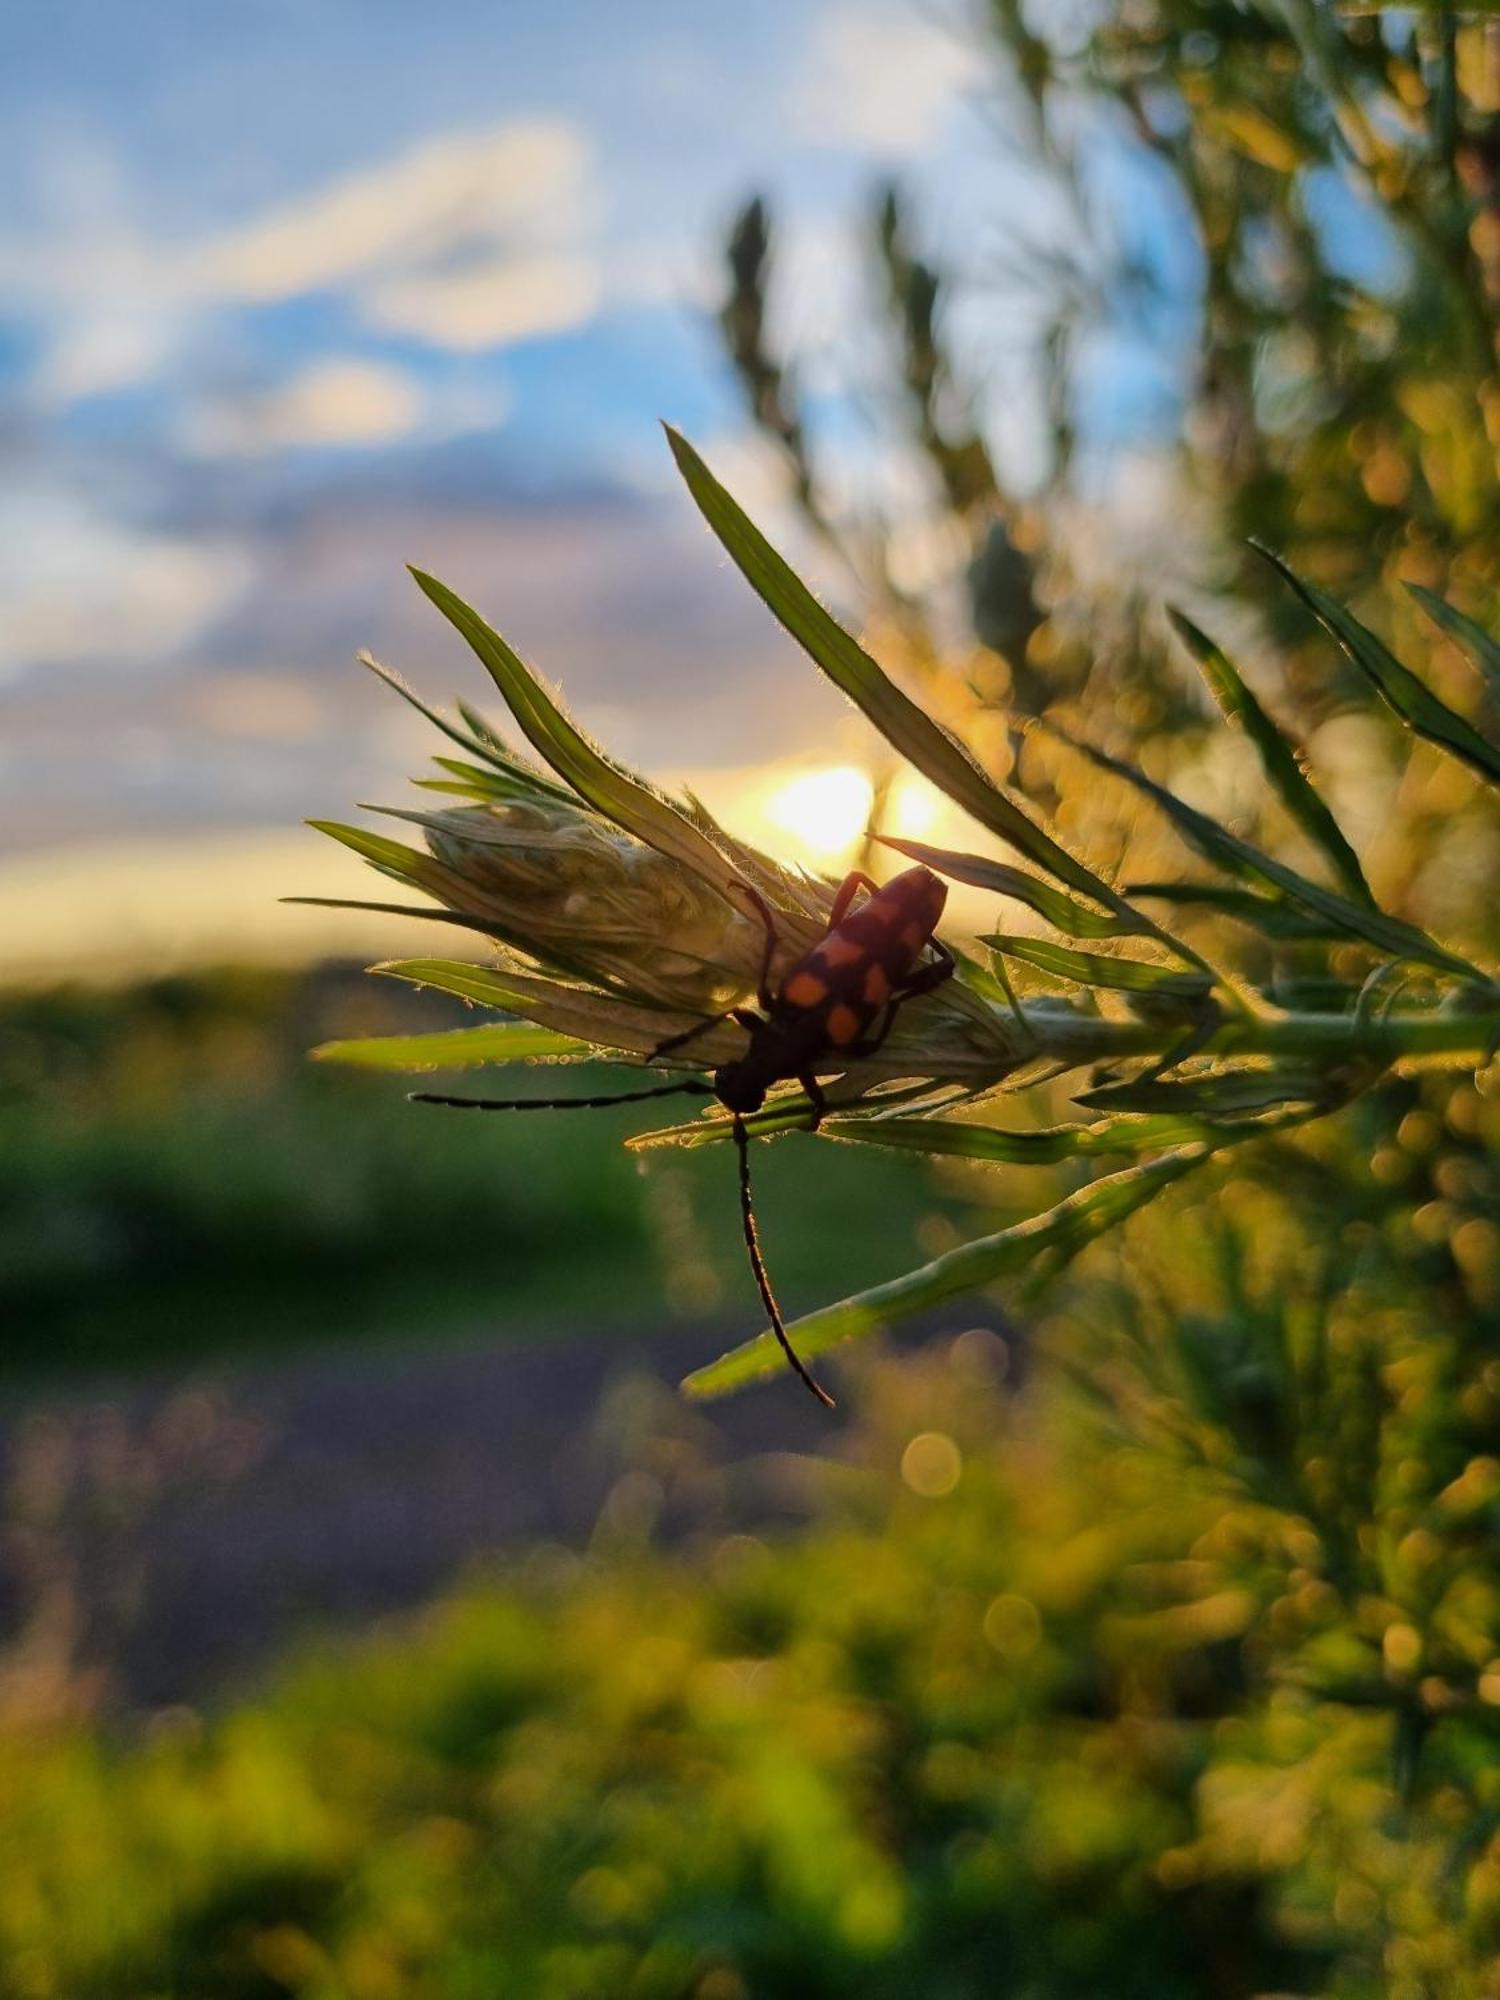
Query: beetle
pixel 835 1005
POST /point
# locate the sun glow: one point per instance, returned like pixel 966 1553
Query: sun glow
pixel 825 812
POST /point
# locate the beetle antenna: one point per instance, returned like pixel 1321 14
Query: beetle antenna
pixel 690 1088
pixel 762 1276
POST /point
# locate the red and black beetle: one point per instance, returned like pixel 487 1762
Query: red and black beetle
pixel 836 1005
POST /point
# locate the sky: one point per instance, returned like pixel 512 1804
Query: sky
pixel 294 292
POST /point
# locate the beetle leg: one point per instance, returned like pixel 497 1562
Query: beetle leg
pixel 868 1045
pixel 688 1035
pixel 927 976
pixel 763 910
pixel 815 1097
pixel 852 881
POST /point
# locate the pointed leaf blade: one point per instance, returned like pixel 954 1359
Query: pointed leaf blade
pixel 1230 1094
pixel 1481 648
pixel 607 786
pixel 1060 1233
pixel 1094 968
pixel 601 1019
pixel 937 755
pixel 1238 857
pixel 1280 759
pixel 1047 1146
pixel 1072 918
pixel 1416 704
pixel 1272 916
pixel 454 1048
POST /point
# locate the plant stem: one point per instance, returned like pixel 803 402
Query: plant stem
pixel 1321 1039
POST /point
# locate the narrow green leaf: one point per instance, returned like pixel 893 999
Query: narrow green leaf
pixel 1272 916
pixel 431 911
pixel 457 788
pixel 1230 1094
pixel 784 1114
pixel 937 755
pixel 486 731
pixel 498 784
pixel 1416 704
pixel 602 1019
pixel 1237 857
pixel 793 1113
pixel 499 760
pixel 1280 759
pixel 1061 1231
pixel 1094 968
pixel 960 1139
pixel 454 1048
pixel 1073 919
pixel 1481 648
pixel 391 857
pixel 607 786
pixel 435 716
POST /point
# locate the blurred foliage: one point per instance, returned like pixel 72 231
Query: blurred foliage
pixel 1174 1670
pixel 177 1179
pixel 1089 1690
pixel 1287 219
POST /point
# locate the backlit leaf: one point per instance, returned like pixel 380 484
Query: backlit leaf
pixel 937 755
pixel 1059 1233
pixel 1481 648
pixel 962 1139
pixel 1397 685
pixel 1272 916
pixel 1230 1094
pixel 454 1048
pixel 607 786
pixel 1280 759
pixel 605 1020
pixel 1237 857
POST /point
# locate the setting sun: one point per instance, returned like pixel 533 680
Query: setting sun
pixel 824 811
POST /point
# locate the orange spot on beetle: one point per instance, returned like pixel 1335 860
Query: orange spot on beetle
pixel 805 989
pixel 913 937
pixel 843 1025
pixel 877 985
pixel 836 950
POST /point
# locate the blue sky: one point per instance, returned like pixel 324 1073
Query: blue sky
pixel 291 292
pixel 294 293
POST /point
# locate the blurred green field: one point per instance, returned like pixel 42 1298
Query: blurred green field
pixel 178 1179
pixel 1176 1673
pixel 1015 1719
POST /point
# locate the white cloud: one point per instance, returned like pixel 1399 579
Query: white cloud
pixel 76 584
pixel 487 303
pixel 881 78
pixel 465 242
pixel 339 401
pixel 347 401
pixel 519 187
pixel 95 352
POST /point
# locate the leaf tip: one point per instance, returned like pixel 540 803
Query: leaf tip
pixel 1192 636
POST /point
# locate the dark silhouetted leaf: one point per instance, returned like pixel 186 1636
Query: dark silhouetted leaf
pixel 937 755
pixel 1092 968
pixel 1483 650
pixel 1072 918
